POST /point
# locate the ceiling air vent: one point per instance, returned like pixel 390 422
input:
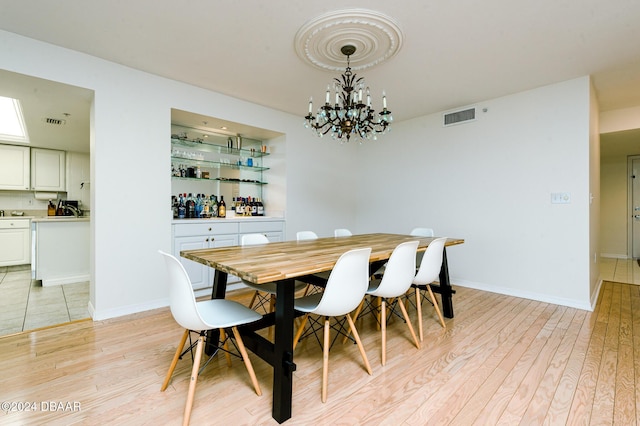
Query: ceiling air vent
pixel 457 117
pixel 55 121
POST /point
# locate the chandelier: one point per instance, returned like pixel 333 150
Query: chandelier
pixel 350 114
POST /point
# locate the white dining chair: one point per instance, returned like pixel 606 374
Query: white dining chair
pixel 200 317
pixel 306 235
pixel 397 279
pixel 429 272
pixel 269 288
pixel 344 290
pixel 422 232
pixel 319 280
pixel 342 232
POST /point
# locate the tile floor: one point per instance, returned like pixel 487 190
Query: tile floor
pixel 620 270
pixel 26 305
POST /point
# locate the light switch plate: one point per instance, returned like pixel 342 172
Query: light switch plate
pixel 560 197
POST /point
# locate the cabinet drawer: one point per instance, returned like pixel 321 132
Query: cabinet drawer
pixel 261 227
pixel 186 229
pixel 14 224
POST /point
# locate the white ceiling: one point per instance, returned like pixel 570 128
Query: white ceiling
pixel 454 53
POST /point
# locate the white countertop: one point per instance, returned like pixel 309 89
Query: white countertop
pixel 229 219
pixel 59 219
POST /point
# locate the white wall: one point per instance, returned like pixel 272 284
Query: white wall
pixel 490 182
pixel 130 163
pixel 614 207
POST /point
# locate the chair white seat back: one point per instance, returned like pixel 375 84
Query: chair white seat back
pixel 347 284
pixel 422 232
pixel 342 232
pixel 252 239
pixel 306 235
pixel 181 298
pixel 399 271
pixel 431 262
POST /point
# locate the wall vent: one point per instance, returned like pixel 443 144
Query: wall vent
pixel 55 121
pixel 458 117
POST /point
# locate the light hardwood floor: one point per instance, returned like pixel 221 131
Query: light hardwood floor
pixel 502 360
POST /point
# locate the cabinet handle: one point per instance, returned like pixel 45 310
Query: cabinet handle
pixel 209 229
pixel 207 240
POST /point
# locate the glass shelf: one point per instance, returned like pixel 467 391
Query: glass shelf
pixel 216 148
pixel 215 164
pixel 223 180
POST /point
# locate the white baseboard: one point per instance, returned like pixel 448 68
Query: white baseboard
pixel 614 256
pixel 65 280
pixel 571 303
pixel 127 310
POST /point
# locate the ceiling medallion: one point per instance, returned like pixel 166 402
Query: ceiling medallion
pixel 366 38
pixel 375 36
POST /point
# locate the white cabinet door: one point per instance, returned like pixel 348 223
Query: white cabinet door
pixel 15 242
pixel 48 170
pixel 14 167
pixel 198 273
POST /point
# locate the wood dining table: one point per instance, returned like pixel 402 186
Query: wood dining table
pixel 284 263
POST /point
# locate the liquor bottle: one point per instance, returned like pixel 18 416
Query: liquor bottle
pixel 198 206
pixel 191 207
pixel 174 206
pixel 254 207
pixel 214 206
pixel 240 207
pixel 260 207
pixel 234 206
pixel 182 209
pixel 206 212
pixel 222 207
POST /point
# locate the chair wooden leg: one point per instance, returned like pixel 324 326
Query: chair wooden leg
pixel 253 299
pixel 383 328
pixel 247 361
pixel 194 379
pixel 176 356
pixel 360 345
pixel 378 313
pixel 325 359
pixel 419 308
pixel 435 305
pixel 225 346
pixel 355 315
pixel 408 321
pixel 300 330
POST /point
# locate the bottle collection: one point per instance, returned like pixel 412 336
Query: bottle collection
pixel 201 206
pixel 247 206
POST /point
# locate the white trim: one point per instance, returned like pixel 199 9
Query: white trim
pixel 594 296
pixel 65 280
pixel 127 310
pixel 571 303
pixel 614 256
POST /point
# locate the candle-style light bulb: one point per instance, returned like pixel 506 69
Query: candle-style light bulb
pixel 310 105
pixel 384 100
pixel 328 94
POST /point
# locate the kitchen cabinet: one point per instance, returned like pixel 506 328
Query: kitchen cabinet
pixel 208 163
pixel 15 242
pixel 273 230
pixel 14 167
pixel 192 234
pixel 48 170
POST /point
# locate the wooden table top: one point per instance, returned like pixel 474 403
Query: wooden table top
pixel 271 262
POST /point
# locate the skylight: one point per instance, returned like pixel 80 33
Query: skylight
pixel 12 126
